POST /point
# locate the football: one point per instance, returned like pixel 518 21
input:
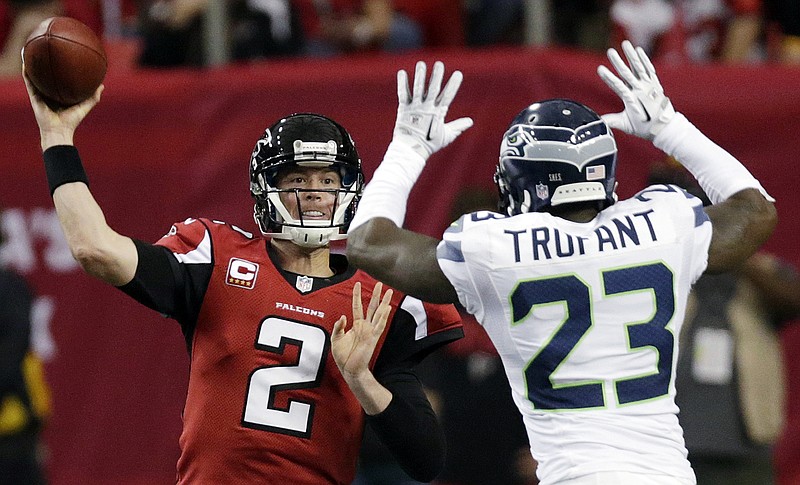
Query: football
pixel 64 60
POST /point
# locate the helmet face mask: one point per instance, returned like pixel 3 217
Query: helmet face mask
pixel 556 152
pixel 304 141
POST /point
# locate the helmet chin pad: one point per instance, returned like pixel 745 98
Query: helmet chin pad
pixel 308 237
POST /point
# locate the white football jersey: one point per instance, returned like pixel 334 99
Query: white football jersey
pixel 586 318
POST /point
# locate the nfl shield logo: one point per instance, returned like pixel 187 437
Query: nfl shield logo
pixel 304 284
pixel 542 191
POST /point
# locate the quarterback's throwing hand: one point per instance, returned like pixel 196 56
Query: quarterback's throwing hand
pixel 647 109
pixel 353 349
pixel 421 113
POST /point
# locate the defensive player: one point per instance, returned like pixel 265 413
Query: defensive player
pixel 583 296
pixel 266 402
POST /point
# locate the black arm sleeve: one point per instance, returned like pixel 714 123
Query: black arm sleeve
pixel 409 427
pixel 166 286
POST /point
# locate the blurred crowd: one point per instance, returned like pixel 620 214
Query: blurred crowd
pixel 171 33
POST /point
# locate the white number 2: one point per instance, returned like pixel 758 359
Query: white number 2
pixel 259 410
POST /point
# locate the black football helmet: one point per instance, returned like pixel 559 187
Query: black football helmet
pixel 308 140
pixel 556 152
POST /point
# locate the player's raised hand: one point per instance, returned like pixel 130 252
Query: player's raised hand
pixel 647 108
pixel 352 349
pixel 57 127
pixel 421 112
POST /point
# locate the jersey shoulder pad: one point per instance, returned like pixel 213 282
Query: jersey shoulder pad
pixel 686 209
pixel 472 220
pixel 193 238
pixel 667 192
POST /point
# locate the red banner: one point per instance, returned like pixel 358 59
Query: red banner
pixel 166 145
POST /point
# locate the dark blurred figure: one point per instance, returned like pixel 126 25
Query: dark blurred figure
pixel 581 24
pixel 336 27
pixel 493 22
pixel 24 396
pixel 730 376
pixel 787 13
pixel 172 31
pixel 24 16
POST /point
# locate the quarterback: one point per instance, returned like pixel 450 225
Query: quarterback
pixel 280 386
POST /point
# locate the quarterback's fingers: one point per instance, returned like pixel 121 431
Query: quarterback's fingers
pixel 358 310
pixel 338 328
pixel 450 89
pixel 403 94
pixel 382 313
pixel 622 69
pixel 374 301
pixel 419 82
pixel 435 86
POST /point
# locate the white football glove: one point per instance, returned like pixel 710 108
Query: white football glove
pixel 420 115
pixel 647 109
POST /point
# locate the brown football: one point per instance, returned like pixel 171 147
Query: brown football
pixel 64 60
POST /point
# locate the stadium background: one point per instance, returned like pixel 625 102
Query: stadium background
pixel 166 145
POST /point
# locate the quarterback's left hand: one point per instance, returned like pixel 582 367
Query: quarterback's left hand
pixel 420 113
pixel 647 108
pixel 353 349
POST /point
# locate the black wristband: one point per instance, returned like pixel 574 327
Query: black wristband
pixel 62 165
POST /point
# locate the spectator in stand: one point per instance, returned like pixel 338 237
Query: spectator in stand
pixel 581 23
pixel 335 27
pixel 172 31
pixel 25 15
pixel 788 12
pixel 491 22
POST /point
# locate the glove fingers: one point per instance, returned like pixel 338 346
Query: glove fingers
pixel 622 69
pixel 617 121
pixel 450 89
pixel 612 81
pixel 460 125
pixel 403 95
pixel 419 82
pixel 651 70
pixel 633 61
pixel 435 85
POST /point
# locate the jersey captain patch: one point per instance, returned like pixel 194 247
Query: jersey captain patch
pixel 241 273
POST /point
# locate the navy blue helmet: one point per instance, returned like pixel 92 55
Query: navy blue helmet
pixel 308 140
pixel 556 152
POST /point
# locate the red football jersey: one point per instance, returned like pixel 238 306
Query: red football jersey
pixel 266 402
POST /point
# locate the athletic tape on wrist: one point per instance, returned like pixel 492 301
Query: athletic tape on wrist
pixel 718 172
pixel 386 195
pixel 62 165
